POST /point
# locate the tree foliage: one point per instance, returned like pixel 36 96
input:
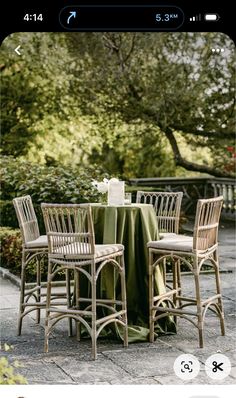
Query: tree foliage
pixel 139 104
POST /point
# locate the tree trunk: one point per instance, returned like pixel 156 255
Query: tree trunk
pixel 179 161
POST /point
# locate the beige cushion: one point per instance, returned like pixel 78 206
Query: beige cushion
pixel 166 234
pixel 105 250
pixel 41 241
pixel 74 249
pixel 174 242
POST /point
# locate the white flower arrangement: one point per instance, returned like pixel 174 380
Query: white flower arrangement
pixel 102 186
pixel 114 188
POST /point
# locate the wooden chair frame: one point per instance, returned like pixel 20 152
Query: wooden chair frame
pixel 204 247
pixel 72 248
pixel 167 206
pixel 34 247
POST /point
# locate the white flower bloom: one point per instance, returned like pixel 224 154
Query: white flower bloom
pixel 102 187
pixel 94 183
pixel 114 180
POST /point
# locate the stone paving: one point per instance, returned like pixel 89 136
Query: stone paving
pixel 69 362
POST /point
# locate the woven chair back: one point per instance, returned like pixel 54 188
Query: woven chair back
pixel 70 230
pixel 207 223
pixel 26 218
pixel 167 207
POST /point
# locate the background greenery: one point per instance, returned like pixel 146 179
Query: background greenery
pixel 77 107
pixel 55 184
pixel 138 104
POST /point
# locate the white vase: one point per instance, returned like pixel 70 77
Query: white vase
pixel 116 193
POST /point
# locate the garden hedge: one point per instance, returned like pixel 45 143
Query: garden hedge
pixel 53 184
pixel 11 249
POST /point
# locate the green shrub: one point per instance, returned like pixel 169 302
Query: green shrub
pixel 55 184
pixel 8 373
pixel 9 219
pixel 11 249
pixel 11 253
pixel 8 214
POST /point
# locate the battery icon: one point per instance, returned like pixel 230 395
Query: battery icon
pixel 211 17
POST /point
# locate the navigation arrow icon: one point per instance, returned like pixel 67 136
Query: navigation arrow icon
pixel 17 50
pixel 72 14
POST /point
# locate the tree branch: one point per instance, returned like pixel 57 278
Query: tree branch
pixel 2 67
pixel 109 42
pixel 215 134
pixel 179 161
pixel 131 48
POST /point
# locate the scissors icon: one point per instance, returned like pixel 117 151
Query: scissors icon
pixel 217 366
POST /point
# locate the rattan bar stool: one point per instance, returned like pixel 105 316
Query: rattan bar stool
pixel 34 248
pixel 193 252
pixel 167 206
pixel 72 247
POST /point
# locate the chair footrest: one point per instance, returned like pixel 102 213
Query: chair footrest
pixel 111 316
pixel 84 313
pixel 69 311
pixel 166 294
pixel 42 304
pixel 100 301
pixel 173 310
pixel 30 291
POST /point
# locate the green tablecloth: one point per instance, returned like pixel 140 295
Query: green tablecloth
pixel 133 226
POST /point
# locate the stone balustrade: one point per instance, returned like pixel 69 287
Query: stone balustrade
pixel 193 188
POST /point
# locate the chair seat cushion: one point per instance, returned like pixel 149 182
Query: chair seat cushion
pixel 174 242
pixel 41 241
pixel 105 250
pixel 75 249
pixel 166 234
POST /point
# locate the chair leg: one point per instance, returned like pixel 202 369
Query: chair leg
pixel 175 285
pixel 199 304
pixel 164 270
pixel 68 298
pixel 151 295
pixel 94 311
pixel 22 294
pixel 123 298
pixel 178 265
pixel 48 303
pixel 38 293
pixel 77 304
pixel 218 290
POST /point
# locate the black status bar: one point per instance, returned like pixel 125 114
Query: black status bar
pixel 118 18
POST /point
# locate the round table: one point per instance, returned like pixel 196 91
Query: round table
pixel 132 225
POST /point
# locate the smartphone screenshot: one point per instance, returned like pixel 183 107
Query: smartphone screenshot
pixel 118 163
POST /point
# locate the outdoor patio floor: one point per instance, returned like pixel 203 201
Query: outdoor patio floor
pixel 69 361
